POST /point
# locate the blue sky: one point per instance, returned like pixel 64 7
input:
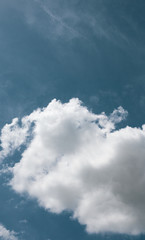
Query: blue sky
pixel 91 50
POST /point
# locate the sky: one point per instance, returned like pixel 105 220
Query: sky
pixel 72 100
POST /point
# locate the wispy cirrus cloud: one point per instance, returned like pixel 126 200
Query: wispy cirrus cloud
pixel 90 22
pixel 65 20
pixel 74 32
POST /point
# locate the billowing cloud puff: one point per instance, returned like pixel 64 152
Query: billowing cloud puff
pixel 79 161
pixel 5 234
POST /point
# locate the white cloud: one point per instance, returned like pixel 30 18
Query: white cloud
pixel 6 234
pixel 13 136
pixel 78 161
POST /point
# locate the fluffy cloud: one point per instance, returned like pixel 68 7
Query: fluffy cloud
pixel 79 161
pixel 6 234
pixel 13 136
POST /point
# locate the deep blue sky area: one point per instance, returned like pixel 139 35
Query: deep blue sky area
pixel 93 50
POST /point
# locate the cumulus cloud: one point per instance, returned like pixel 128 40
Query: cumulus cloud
pixel 78 161
pixel 6 234
pixel 13 135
